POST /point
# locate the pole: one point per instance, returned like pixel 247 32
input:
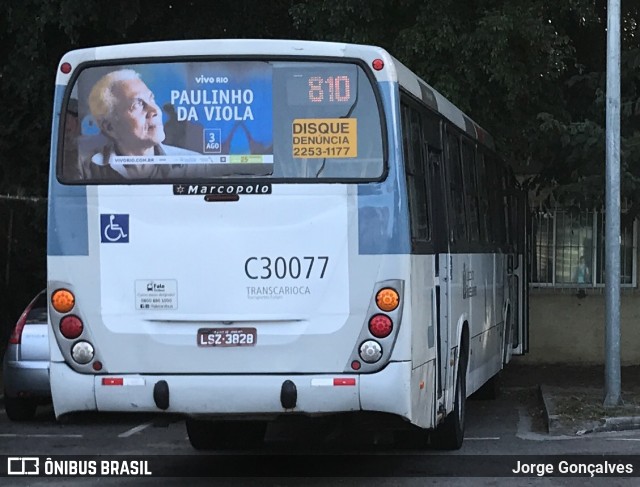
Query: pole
pixel 612 211
pixel 7 275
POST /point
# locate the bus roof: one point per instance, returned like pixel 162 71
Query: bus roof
pixel 419 88
pixel 394 70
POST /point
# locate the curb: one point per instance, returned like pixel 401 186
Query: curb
pixel 621 423
pixel 552 420
pixel 556 426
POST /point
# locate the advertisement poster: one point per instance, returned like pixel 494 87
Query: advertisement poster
pixel 175 120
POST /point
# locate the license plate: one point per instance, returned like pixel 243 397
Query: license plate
pixel 227 337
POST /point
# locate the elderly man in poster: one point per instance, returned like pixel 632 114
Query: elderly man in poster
pixel 126 112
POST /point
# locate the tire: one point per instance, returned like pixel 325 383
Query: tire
pixel 450 434
pixel 20 409
pixel 225 435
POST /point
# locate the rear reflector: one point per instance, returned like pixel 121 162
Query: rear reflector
pixel 344 382
pixel 335 382
pixel 123 381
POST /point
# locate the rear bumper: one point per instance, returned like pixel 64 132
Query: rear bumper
pixel 26 378
pixel 229 395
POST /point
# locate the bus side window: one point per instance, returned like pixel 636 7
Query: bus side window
pixel 414 157
pixel 496 200
pixel 483 194
pixel 471 191
pixel 435 172
pixel 457 219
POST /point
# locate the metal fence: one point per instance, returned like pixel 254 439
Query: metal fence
pixel 569 249
pixel 23 256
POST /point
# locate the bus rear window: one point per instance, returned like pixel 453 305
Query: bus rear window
pixel 196 121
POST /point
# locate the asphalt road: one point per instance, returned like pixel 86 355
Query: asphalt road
pixel 499 434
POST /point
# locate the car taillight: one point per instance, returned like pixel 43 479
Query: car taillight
pixel 16 334
pixel 71 327
pixel 380 326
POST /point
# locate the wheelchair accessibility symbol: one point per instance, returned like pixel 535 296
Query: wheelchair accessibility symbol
pixel 114 228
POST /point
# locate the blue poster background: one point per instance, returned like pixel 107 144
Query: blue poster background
pixel 229 101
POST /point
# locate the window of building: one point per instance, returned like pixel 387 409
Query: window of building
pixel 569 249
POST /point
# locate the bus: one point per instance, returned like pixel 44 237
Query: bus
pixel 245 230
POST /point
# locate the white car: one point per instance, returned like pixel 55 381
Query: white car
pixel 26 362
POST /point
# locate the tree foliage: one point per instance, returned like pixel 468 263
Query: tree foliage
pixel 532 72
pixel 34 34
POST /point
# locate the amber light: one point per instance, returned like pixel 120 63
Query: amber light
pixel 63 300
pixel 387 299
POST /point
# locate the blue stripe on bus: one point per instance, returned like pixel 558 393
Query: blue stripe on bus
pixel 67 228
pixel 383 222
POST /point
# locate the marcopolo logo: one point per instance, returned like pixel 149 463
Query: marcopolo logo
pixel 23 466
pixel 220 189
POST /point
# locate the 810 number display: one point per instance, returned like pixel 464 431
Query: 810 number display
pixel 334 88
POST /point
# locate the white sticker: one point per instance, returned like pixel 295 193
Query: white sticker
pixel 156 294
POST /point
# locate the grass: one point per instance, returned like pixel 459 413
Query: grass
pixel 584 409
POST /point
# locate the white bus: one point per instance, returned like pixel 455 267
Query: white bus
pixel 241 230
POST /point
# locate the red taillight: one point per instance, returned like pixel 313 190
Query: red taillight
pixel 71 327
pixel 380 326
pixel 65 68
pixel 16 334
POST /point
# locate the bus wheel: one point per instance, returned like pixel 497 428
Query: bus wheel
pixel 449 435
pixel 19 409
pixel 225 435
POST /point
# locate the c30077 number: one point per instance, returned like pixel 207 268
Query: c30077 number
pixel 307 267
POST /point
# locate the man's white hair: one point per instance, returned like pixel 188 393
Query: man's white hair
pixel 101 99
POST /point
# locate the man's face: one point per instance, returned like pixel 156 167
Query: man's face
pixel 136 122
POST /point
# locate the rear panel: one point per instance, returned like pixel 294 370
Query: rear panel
pixel 236 244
